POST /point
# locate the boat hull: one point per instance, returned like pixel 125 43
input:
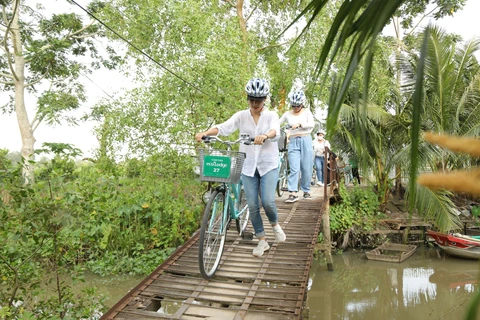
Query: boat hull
pixel 458 246
pixel 391 252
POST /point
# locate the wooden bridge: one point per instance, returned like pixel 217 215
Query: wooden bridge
pixel 273 286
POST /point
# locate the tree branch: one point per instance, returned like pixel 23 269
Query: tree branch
pixel 6 75
pixel 7 83
pixel 274 45
pixel 7 30
pixel 36 122
pixel 230 2
pixel 80 30
pixel 251 13
pixel 421 19
pixel 88 35
pixel 38 80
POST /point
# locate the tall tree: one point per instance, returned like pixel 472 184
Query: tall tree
pixel 194 62
pixel 41 59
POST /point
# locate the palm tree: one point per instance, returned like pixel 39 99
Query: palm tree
pixel 356 28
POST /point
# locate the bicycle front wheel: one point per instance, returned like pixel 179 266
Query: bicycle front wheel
pixel 242 219
pixel 212 234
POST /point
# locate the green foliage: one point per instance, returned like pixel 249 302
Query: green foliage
pixel 62 165
pixel 126 223
pixel 476 211
pixel 36 235
pixel 359 209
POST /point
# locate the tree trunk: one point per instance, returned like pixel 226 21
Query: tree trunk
pixel 26 132
pixel 243 29
pixel 398 181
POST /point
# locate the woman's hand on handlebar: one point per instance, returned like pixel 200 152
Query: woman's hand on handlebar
pixel 260 139
pixel 199 136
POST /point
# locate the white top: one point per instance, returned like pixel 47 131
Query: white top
pixel 259 157
pixel 305 119
pixel 319 147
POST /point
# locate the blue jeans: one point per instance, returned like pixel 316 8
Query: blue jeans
pixel 300 158
pixel 320 168
pixel 264 186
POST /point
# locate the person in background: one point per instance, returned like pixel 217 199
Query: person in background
pixel 352 161
pixel 341 165
pixel 300 157
pixel 260 169
pixel 319 149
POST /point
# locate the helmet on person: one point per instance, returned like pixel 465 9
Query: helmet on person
pixel 297 98
pixel 257 89
pixel 320 132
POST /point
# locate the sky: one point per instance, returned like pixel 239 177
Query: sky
pixel 108 83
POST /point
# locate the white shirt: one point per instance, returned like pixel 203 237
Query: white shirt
pixel 258 157
pixel 319 147
pixel 305 119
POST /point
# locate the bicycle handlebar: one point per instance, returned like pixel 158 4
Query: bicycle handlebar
pixel 244 138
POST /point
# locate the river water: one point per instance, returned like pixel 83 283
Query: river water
pixel 428 285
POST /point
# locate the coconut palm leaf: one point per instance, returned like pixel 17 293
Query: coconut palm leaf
pixel 436 206
pixel 356 29
pixel 416 118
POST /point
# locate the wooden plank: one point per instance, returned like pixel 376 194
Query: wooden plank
pixel 254 288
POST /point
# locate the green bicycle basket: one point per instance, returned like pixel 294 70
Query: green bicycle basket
pixel 220 165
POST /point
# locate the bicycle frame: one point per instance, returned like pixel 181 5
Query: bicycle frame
pixel 232 198
pixel 232 190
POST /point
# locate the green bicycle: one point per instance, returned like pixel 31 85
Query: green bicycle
pixel 226 201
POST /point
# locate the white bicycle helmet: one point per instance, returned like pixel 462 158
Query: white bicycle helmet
pixel 257 89
pixel 297 98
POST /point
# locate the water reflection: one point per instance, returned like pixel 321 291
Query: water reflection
pixel 428 285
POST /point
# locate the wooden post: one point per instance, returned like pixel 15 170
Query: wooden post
pixel 326 213
pixel 326 234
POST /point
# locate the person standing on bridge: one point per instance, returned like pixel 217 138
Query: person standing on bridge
pixel 260 169
pixel 319 148
pixel 300 150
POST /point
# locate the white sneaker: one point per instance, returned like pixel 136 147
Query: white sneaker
pixel 279 234
pixel 320 184
pixel 261 248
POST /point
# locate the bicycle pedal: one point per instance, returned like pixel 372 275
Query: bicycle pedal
pixel 247 236
pixel 284 189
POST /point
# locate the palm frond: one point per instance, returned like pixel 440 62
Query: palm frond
pixel 416 117
pixel 436 206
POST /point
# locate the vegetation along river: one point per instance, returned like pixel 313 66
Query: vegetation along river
pixel 428 285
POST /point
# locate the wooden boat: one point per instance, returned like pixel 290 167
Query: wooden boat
pixel 457 244
pixel 391 252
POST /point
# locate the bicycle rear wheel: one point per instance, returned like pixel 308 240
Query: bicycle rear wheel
pixel 212 234
pixel 242 219
pixel 282 176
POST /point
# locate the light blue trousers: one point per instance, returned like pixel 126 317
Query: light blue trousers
pixel 264 186
pixel 319 163
pixel 300 158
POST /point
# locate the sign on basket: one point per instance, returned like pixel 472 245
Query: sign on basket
pixel 216 166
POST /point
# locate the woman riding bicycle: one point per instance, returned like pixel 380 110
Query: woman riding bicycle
pixel 260 169
pixel 300 150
